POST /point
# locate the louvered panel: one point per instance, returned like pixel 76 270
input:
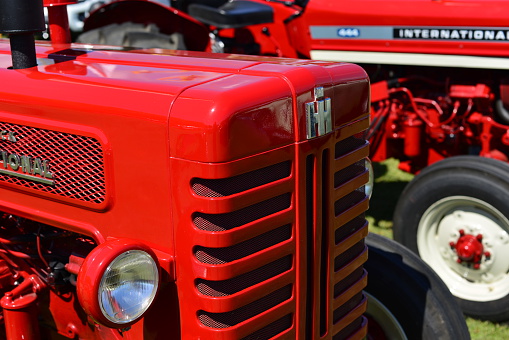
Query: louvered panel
pixel 245 232
pixel 244 251
pixel 357 306
pixel 351 266
pixel 351 185
pixel 345 160
pixel 352 213
pixel 355 239
pixel 360 281
pixel 239 267
pixel 237 184
pixel 347 233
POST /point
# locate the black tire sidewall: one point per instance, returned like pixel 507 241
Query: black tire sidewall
pixel 412 292
pixel 483 179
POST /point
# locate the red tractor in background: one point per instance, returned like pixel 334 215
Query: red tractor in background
pixel 439 104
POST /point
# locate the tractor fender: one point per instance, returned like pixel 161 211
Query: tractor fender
pixel 169 20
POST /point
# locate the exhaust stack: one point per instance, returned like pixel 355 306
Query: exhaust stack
pixel 21 19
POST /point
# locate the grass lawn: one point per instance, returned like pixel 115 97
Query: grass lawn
pixel 389 183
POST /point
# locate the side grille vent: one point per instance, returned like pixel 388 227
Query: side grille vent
pixel 348 281
pixel 348 255
pixel 349 228
pixel 350 144
pixel 240 183
pixel 351 328
pixel 272 329
pixel 75 161
pixel 349 201
pixel 243 249
pixel 349 173
pixel 235 285
pixel 228 221
pixel 347 307
pixel 240 281
pixel 229 319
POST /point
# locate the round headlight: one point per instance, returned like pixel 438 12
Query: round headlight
pixel 118 282
pixel 368 187
pixel 128 286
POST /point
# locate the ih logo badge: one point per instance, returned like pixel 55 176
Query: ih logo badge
pixel 318 115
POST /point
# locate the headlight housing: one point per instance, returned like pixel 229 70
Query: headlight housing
pixel 118 282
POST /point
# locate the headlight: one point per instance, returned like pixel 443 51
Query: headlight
pixel 118 282
pixel 128 286
pixel 368 187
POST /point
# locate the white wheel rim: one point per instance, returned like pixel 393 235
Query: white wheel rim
pixel 441 224
pixel 385 319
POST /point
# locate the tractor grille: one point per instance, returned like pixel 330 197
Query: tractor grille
pixel 75 162
pixel 268 263
pixel 245 253
pixel 336 228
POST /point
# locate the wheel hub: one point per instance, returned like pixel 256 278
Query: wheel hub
pixel 469 249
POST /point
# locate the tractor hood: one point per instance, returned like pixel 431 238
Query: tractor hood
pixel 208 108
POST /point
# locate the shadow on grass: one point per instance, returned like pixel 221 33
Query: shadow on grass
pixel 389 183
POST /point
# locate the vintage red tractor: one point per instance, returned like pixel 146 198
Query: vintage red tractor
pixel 439 94
pixel 176 195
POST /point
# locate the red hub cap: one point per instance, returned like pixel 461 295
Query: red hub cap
pixel 469 249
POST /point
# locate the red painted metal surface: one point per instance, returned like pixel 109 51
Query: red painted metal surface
pixel 92 270
pixel 20 309
pixel 412 14
pixel 58 20
pixel 203 158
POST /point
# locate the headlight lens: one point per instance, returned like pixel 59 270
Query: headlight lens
pixel 128 286
pixel 368 187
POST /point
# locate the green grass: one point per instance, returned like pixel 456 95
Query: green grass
pixel 389 183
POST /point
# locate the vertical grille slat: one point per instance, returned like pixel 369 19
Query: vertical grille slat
pixel 310 239
pixel 324 247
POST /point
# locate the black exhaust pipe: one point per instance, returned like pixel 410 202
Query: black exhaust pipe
pixel 21 19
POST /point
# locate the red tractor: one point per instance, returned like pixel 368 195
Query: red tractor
pixel 439 102
pixel 176 195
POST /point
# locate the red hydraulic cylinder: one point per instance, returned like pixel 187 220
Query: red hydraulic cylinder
pixel 20 309
pixel 413 135
pixel 20 317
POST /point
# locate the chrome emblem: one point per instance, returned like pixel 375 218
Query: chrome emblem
pixel 21 166
pixel 318 115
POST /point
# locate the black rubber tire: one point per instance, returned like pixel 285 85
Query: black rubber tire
pixel 129 34
pixel 473 177
pixel 412 292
